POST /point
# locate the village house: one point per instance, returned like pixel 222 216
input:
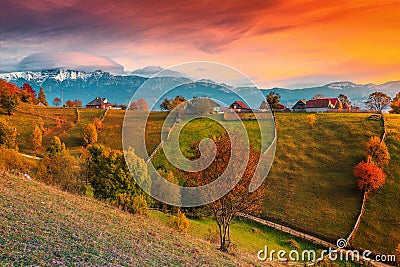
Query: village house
pixel 300 106
pixel 99 103
pixel 321 104
pixel 239 106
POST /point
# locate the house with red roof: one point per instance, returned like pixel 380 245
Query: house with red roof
pixel 239 106
pixel 321 104
pixel 98 102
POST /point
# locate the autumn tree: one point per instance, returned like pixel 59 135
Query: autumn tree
pixel 42 97
pixel 56 101
pixel 90 134
pixel 8 136
pixel 142 105
pixel 97 123
pixel 36 138
pixel 28 95
pixel 395 105
pixel 344 100
pixel 78 103
pixel 339 105
pixel 168 104
pixel 370 176
pixel 8 101
pixel 273 100
pixel 378 151
pixel 311 119
pixel 378 101
pixel 133 105
pixel 239 199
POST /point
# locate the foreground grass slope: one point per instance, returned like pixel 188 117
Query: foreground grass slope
pixel 380 226
pixel 40 225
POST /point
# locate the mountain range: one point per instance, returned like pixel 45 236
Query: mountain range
pixel 120 88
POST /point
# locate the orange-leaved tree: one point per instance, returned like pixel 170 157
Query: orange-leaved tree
pixel 239 199
pixel 378 151
pixel 370 176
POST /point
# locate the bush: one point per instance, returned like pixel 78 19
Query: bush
pixel 62 170
pixel 139 205
pixel 213 235
pixel 11 161
pixel 378 151
pixel 180 222
pixel 293 244
pixel 311 119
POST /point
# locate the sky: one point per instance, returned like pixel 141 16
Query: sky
pixel 284 43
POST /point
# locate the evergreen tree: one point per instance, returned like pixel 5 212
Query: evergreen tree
pixel 42 97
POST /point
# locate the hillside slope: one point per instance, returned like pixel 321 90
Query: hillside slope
pixel 40 225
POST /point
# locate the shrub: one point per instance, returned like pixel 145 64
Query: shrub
pixel 56 146
pixel 97 123
pixel 62 170
pixel 213 235
pixel 180 222
pixel 11 161
pixel 139 205
pixel 311 119
pixel 293 244
pixel 378 151
pixel 90 134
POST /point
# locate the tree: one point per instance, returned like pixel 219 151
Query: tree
pixel 370 176
pixel 56 146
pixel 28 95
pixel 36 138
pixel 98 123
pixel 239 199
pixel 42 97
pixel 142 105
pixel 133 105
pixel 344 100
pixel 78 103
pixel 56 101
pixel 8 135
pixel 9 102
pixel 395 104
pixel 378 151
pixel 90 134
pixel 201 106
pixel 311 119
pixel 273 100
pixel 109 174
pixel 168 104
pixel 378 101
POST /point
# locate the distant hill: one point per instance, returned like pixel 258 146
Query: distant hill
pixel 120 88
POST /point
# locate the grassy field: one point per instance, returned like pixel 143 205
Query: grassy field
pixel 310 187
pixel 380 226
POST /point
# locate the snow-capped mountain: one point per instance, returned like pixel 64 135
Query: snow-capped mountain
pixel 120 88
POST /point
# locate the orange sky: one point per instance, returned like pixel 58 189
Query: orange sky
pixel 277 43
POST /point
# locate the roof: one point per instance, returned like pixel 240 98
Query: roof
pixel 98 101
pixel 241 104
pixel 301 101
pixel 318 103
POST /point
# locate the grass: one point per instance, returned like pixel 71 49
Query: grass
pixel 40 225
pixel 380 225
pixel 311 185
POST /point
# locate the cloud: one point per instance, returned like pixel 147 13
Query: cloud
pixel 151 70
pixel 69 60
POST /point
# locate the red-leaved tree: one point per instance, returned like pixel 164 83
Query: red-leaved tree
pixel 370 176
